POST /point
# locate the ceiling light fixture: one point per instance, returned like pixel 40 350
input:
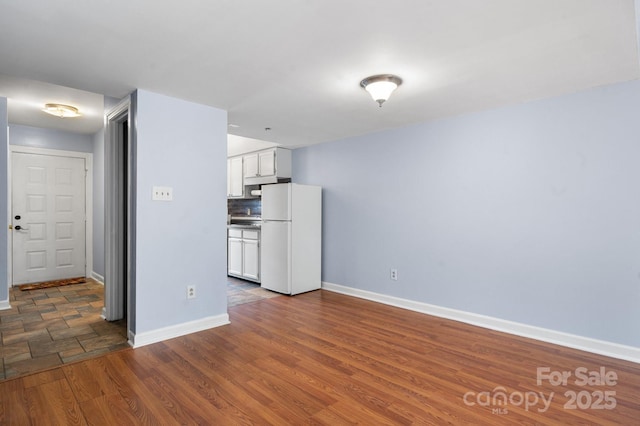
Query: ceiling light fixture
pixel 62 111
pixel 381 86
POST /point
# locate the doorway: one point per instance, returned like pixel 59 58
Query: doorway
pixel 119 214
pixel 50 215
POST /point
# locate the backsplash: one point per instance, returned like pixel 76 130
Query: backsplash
pixel 239 206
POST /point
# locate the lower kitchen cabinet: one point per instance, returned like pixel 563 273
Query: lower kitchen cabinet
pixel 251 259
pixel 234 256
pixel 243 253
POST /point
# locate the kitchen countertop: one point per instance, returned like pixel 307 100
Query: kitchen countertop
pixel 244 225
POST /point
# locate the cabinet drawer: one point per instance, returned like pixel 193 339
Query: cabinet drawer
pixel 235 233
pixel 250 234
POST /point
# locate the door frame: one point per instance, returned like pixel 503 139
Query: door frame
pixel 119 223
pixel 88 199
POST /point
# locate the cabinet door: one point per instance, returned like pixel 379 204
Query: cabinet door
pixel 228 178
pixel 267 161
pixel 251 165
pixel 234 174
pixel 251 256
pixel 234 256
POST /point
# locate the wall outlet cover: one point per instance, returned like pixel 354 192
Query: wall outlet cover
pixel 162 193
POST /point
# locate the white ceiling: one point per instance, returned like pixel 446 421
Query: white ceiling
pixel 295 65
pixel 26 99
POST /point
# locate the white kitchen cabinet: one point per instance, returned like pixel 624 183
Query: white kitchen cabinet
pixel 266 164
pixel 243 253
pixel 260 164
pixel 251 259
pixel 235 178
pixel 249 171
pixel 234 256
pixel 251 167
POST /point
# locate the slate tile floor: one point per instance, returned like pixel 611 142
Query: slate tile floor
pixel 54 326
pixel 241 291
pixel 49 327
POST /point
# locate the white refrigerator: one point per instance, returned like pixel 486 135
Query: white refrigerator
pixel 291 238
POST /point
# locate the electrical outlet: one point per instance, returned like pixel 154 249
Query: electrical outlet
pixel 394 274
pixel 191 292
pixel 162 193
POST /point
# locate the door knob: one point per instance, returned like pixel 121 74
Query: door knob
pixel 19 228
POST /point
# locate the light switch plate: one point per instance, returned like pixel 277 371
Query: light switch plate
pixel 162 193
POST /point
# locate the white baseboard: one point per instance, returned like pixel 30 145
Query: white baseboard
pixel 4 304
pixel 97 277
pixel 154 336
pixel 601 347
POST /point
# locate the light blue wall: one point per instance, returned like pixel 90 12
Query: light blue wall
pixel 4 185
pixel 49 138
pixel 181 145
pixel 529 213
pixel 98 203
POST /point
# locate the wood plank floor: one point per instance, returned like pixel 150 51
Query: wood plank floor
pixel 325 358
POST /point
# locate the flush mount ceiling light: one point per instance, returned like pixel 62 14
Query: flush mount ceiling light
pixel 381 86
pixel 62 111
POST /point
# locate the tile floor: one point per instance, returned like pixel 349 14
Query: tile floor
pixel 49 327
pixel 241 291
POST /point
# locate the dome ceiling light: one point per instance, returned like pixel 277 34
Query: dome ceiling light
pixel 381 86
pixel 62 111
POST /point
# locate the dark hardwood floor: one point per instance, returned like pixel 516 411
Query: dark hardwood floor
pixel 325 358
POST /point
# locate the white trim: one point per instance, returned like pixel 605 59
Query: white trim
pixel 96 276
pixel 88 198
pixel 155 336
pixel 9 234
pixel 48 151
pixel 117 221
pixel 4 304
pixel 601 347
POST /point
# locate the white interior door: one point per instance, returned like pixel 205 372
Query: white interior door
pixel 48 217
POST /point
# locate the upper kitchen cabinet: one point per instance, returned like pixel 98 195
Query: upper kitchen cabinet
pixel 235 178
pixel 251 165
pixel 272 165
pixel 259 164
pixel 267 166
